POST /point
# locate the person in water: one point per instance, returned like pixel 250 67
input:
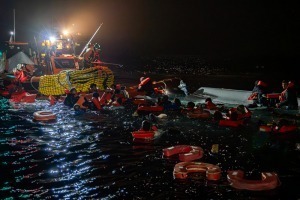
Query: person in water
pixel 71 98
pixel 258 94
pixel 93 88
pixel 288 97
pixel 147 126
pixel 209 104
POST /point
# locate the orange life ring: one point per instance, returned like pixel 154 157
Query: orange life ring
pixel 230 123
pixel 182 169
pixel 269 180
pixel 186 153
pixel 143 134
pixel 44 115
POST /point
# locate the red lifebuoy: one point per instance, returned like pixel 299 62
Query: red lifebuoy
pixel 283 129
pixel 182 169
pixel 44 115
pixel 186 153
pixel 288 128
pixel 269 180
pixel 230 123
pixel 143 134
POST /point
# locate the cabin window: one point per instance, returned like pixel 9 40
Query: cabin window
pixel 64 63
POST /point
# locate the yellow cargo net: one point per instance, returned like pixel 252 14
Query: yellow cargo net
pixel 80 79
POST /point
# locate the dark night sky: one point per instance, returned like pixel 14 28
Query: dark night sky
pixel 217 29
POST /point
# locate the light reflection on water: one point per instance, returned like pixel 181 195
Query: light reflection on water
pixel 92 155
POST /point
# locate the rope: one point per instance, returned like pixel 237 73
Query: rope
pixel 32 84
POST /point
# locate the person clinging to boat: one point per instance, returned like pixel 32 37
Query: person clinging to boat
pixel 288 97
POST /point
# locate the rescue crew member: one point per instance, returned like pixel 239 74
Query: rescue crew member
pixel 91 55
pixel 88 56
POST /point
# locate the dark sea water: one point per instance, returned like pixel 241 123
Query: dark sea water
pixel 92 155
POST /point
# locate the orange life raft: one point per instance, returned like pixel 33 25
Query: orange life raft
pixel 269 180
pixel 182 169
pixel 186 153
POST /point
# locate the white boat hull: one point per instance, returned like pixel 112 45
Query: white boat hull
pixel 222 95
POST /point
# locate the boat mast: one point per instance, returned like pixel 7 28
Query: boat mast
pixel 14 25
pixel 90 40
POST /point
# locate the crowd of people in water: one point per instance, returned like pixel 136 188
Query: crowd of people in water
pixel 117 95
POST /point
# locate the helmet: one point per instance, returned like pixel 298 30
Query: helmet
pixel 97 46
